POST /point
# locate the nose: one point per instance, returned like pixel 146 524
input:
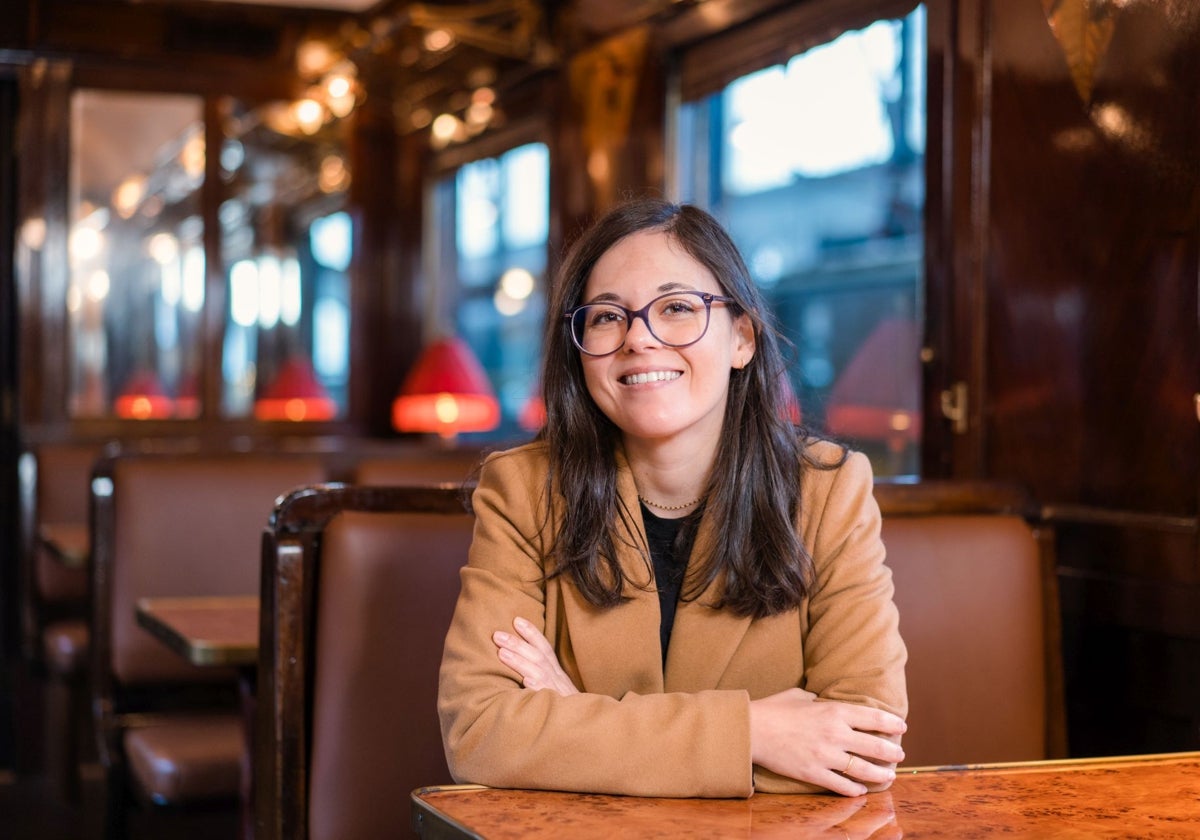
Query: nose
pixel 639 334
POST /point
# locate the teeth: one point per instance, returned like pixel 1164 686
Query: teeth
pixel 652 376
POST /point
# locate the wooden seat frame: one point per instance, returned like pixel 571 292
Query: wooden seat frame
pixel 291 565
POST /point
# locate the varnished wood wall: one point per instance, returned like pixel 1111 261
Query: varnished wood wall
pixel 1074 276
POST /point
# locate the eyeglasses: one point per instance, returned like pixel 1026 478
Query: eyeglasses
pixel 677 319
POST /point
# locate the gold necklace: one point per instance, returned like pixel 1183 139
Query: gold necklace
pixel 683 506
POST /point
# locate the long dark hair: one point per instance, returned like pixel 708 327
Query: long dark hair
pixel 754 487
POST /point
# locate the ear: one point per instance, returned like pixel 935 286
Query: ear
pixel 743 341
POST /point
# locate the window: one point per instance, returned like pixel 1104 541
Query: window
pixel 493 222
pixel 138 289
pixel 136 255
pixel 817 168
pixel 286 247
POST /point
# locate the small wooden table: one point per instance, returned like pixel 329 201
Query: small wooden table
pixel 215 631
pixel 205 630
pixel 68 542
pixel 1140 796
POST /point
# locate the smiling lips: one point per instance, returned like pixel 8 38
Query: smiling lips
pixel 650 376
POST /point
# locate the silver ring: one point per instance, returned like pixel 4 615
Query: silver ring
pixel 848 763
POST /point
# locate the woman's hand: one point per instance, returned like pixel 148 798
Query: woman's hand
pixel 839 746
pixel 530 655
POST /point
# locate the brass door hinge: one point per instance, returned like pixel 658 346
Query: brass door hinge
pixel 954 407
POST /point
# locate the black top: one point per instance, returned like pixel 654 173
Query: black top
pixel 670 564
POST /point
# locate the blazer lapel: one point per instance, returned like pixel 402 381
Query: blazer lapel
pixel 617 650
pixel 703 640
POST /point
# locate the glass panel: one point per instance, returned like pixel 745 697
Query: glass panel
pixel 136 255
pixel 817 169
pixel 498 221
pixel 286 247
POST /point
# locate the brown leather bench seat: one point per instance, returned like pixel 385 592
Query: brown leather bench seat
pixel 978 607
pixel 174 524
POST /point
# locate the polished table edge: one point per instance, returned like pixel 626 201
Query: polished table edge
pixel 443 826
pixel 198 651
pixel 1053 763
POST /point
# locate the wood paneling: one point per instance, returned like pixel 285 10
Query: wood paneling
pixel 1089 263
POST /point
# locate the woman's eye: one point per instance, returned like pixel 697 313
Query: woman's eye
pixel 605 317
pixel 677 307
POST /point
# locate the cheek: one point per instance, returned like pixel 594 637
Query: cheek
pixel 593 377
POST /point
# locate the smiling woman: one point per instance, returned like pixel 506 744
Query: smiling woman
pixel 590 624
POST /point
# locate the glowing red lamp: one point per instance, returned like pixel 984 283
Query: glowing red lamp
pixel 446 392
pixel 533 412
pixel 295 395
pixel 143 398
pixel 876 396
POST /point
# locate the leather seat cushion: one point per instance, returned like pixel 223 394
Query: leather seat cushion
pixel 187 759
pixel 65 647
pixel 970 596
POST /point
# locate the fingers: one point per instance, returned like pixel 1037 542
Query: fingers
pixel 519 655
pixel 531 656
pixel 837 782
pixel 863 770
pixel 873 748
pixel 867 719
pixel 534 637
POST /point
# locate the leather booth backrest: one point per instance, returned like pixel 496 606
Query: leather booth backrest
pixel 188 525
pixel 410 470
pixel 386 592
pixel 61 481
pixel 970 595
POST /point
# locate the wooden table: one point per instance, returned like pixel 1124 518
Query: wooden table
pixel 68 542
pixel 215 631
pixel 1141 796
pixel 205 630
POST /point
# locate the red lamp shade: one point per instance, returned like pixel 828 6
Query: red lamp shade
pixel 447 392
pixel 533 412
pixel 876 397
pixel 143 398
pixel 295 395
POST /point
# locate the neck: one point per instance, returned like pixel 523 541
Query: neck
pixel 670 478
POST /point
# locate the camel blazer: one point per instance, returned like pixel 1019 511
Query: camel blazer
pixel 636 730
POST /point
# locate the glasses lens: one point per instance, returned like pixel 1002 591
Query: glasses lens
pixel 678 319
pixel 599 328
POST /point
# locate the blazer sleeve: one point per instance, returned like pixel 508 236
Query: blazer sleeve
pixel 853 651
pixel 497 733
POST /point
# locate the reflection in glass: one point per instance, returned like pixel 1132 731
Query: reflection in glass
pixel 287 246
pixel 136 255
pixel 818 173
pixel 496 256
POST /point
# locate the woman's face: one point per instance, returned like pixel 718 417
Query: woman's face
pixel 650 390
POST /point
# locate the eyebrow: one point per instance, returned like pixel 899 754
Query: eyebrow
pixel 673 286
